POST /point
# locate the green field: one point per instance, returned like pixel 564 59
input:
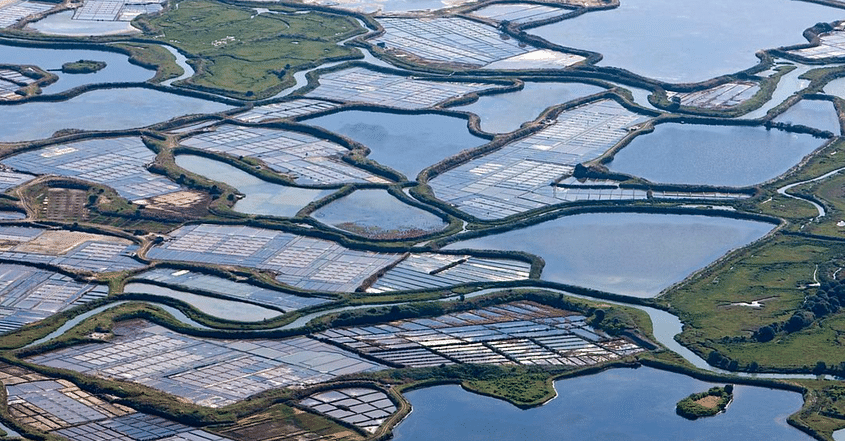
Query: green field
pixel 776 273
pixel 240 53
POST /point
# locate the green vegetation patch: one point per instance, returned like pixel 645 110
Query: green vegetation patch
pixel 705 404
pixel 725 307
pixel 246 55
pixel 83 67
pixel 524 388
pixel 153 56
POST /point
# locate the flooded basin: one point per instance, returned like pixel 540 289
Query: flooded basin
pixel 620 404
pixel 632 254
pixel 735 156
pixel 813 113
pixel 506 112
pixel 117 70
pixel 405 143
pixel 112 109
pixel 261 197
pixel 687 41
pixel 377 214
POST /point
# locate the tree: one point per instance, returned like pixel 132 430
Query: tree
pixel 753 366
pixel 764 334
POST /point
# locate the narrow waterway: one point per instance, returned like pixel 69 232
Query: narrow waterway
pixel 822 213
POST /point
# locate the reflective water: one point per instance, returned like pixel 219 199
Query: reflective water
pixel 375 213
pixel 632 254
pixel 117 70
pixel 110 109
pixel 620 404
pixel 734 156
pixel 812 113
pixel 683 41
pixel 504 113
pixel 225 309
pixel 261 197
pixel 405 143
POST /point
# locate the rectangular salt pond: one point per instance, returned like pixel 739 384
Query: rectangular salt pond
pixel 520 333
pixel 631 254
pixel 464 43
pixel 520 13
pixel 203 371
pixel 427 271
pixel 304 262
pixel 119 163
pixel 518 177
pixel 13 11
pixel 29 294
pixel 723 96
pixel 308 160
pixel 287 109
pixel 365 408
pixel 366 86
pixel 75 250
pixel 320 265
pixel 831 45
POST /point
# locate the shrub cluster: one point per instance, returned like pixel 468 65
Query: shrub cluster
pixel 690 408
pixel 828 299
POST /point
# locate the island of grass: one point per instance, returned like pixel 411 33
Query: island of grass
pixel 83 66
pixel 705 404
pixel 240 53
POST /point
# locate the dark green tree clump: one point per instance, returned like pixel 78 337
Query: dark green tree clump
pixel 827 300
pixel 701 404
